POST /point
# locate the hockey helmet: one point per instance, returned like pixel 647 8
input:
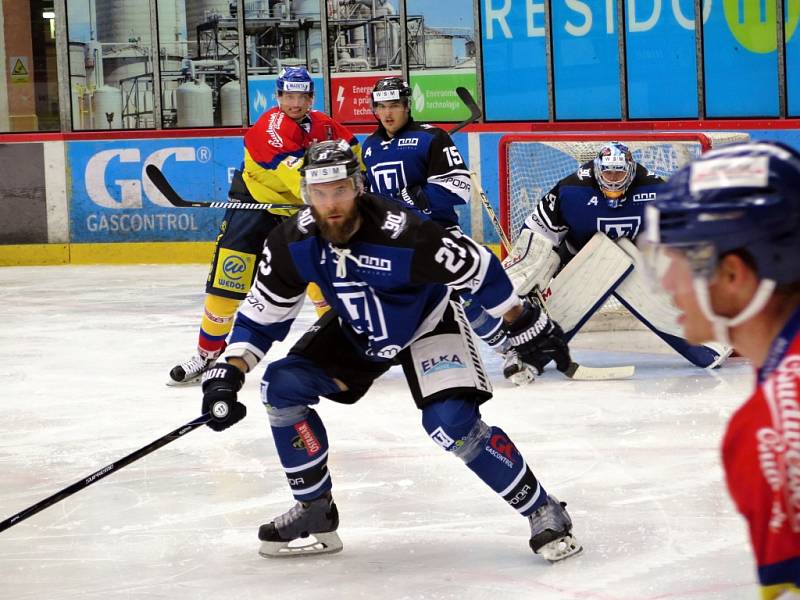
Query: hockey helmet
pixel 294 79
pixel 330 160
pixel 743 196
pixel 614 169
pixel 390 88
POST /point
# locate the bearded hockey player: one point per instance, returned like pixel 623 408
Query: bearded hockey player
pixel 387 275
pixel 419 165
pixel 582 231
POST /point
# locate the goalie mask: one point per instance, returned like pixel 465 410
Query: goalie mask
pixel 614 169
pixel 328 161
pixel 742 197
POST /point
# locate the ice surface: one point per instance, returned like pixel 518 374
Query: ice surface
pixel 84 358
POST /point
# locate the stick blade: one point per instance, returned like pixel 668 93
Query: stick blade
pixel 466 97
pixel 583 373
pixel 157 177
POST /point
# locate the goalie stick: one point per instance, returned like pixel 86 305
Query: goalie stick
pixel 574 371
pixel 105 471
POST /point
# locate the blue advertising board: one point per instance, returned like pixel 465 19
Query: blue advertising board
pixel 111 199
pixel 661 59
pixel 261 94
pixel 790 18
pixel 741 59
pixel 514 67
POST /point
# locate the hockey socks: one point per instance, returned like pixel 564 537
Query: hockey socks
pixel 455 425
pixel 218 313
pixel 490 329
pixel 289 386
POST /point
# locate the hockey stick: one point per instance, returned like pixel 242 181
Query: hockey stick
pixel 162 185
pixel 107 470
pixel 474 110
pixel 574 371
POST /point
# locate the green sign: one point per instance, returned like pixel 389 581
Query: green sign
pixel 434 95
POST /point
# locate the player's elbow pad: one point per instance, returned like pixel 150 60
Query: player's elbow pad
pixel 531 262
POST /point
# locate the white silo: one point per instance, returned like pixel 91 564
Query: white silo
pixel 107 107
pixel 231 104
pixel 438 50
pixel 309 9
pixel 193 101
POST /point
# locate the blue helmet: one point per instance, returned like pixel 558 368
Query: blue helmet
pixel 614 169
pixel 743 196
pixel 294 79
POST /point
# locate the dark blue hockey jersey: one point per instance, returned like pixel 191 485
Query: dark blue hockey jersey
pixel 420 166
pixel 389 284
pixel 575 209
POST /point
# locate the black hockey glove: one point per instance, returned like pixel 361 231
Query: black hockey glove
pixel 220 384
pixel 537 339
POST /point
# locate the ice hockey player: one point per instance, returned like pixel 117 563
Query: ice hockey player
pixel 419 165
pixel 727 231
pixel 387 275
pixel 582 231
pixel 273 153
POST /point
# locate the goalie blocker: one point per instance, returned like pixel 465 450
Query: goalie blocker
pixel 600 269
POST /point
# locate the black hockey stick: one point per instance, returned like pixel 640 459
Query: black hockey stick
pixel 162 185
pixel 474 110
pixel 107 470
pixel 574 371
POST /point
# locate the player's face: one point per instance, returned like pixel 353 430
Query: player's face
pixel 393 115
pixel 295 104
pixel 677 280
pixel 333 205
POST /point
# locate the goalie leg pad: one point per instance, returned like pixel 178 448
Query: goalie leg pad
pixel 586 282
pixel 654 308
pixel 531 262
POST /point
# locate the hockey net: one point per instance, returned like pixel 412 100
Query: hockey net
pixel 531 164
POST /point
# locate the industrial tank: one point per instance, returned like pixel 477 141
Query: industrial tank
pixel 231 104
pixel 194 104
pixel 439 51
pixel 107 107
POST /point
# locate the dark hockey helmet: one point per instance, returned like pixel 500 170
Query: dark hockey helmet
pixel 294 79
pixel 390 88
pixel 742 196
pixel 330 160
pixel 614 169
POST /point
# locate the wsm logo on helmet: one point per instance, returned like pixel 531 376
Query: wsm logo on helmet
pixel 442 363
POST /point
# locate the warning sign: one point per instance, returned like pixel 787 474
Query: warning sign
pixel 19 69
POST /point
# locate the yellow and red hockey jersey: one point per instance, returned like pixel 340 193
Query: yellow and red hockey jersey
pixel 273 153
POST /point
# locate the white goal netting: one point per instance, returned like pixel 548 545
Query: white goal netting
pixel 531 164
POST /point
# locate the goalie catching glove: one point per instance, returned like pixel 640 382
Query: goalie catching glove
pixel 220 385
pixel 537 339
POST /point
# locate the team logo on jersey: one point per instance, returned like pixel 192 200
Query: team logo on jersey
pixel 389 177
pixel 584 173
pixel 395 224
pixel 644 197
pixel 407 142
pixel 617 227
pixel 442 363
pixel 364 310
pixel 374 262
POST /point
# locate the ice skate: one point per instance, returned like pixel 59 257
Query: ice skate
pixel 307 528
pixel 551 532
pixel 191 371
pixel 516 371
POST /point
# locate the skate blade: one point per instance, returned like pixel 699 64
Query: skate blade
pixel 188 382
pixel 318 543
pixel 560 548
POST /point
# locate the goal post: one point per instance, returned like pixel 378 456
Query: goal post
pixel 532 163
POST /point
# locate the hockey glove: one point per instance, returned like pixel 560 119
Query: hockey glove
pixel 537 339
pixel 220 384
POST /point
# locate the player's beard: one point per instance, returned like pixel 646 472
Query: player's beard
pixel 339 232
